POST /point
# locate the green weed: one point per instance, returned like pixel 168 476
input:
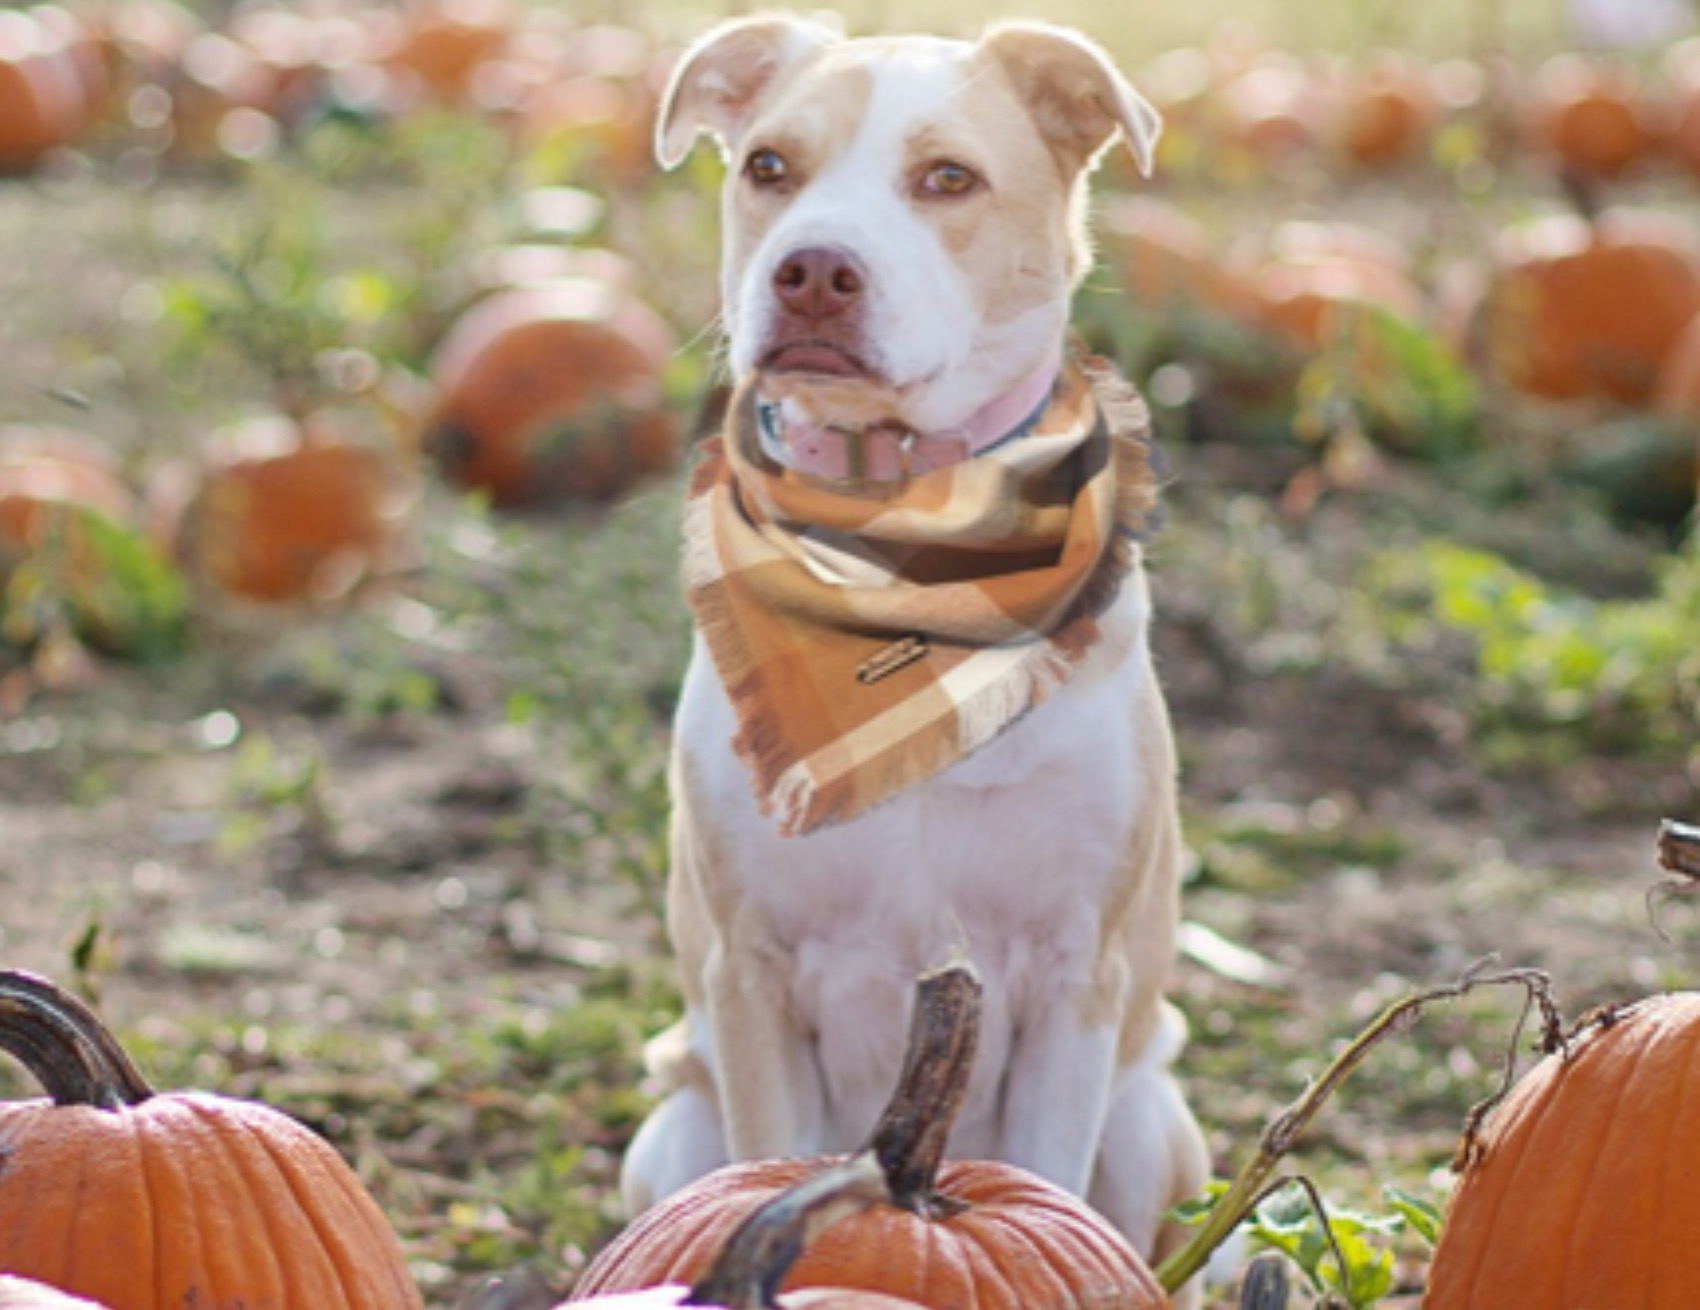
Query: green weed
pixel 1544 669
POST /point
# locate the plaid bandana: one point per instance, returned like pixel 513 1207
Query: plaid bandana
pixel 872 635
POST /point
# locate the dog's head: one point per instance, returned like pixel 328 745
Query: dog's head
pixel 904 217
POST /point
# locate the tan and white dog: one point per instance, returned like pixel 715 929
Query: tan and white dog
pixel 904 228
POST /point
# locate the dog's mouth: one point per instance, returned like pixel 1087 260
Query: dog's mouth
pixel 820 358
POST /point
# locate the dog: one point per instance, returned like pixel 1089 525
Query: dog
pixel 894 743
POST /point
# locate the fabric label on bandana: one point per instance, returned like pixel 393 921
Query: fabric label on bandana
pixel 870 637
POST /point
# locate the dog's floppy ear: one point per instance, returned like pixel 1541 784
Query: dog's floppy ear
pixel 1076 95
pixel 718 81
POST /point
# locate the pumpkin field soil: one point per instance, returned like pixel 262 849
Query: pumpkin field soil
pixel 364 869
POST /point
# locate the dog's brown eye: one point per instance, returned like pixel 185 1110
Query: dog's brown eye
pixel 766 168
pixel 948 178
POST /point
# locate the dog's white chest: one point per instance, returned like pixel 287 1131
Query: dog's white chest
pixel 1006 858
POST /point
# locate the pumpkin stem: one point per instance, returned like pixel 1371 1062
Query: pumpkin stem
pixel 910 1138
pixel 1266 1286
pixel 64 1044
pixel 1250 1186
pixel 1679 848
pixel 762 1250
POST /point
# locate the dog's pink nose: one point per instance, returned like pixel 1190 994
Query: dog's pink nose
pixel 818 282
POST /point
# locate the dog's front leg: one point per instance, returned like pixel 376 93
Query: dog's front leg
pixel 768 1076
pixel 738 977
pixel 1058 1096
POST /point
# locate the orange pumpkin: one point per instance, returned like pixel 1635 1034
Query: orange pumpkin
pixel 140 44
pixel 746 1274
pixel 1574 310
pixel 1590 114
pixel 553 390
pixel 1322 277
pixel 440 45
pixel 989 1237
pixel 1386 112
pixel 76 560
pixel 287 512
pixel 1167 260
pixel 970 1235
pixel 1577 1191
pixel 155 1201
pixel 42 100
pixel 607 125
pixel 1271 106
pixel 48 478
pixel 75 37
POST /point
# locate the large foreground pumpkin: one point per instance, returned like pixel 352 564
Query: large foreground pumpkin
pixel 1579 1192
pixel 972 1235
pixel 161 1201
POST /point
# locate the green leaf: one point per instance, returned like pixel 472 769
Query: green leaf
pixel 1369 1272
pixel 1191 1213
pixel 105 580
pixel 1421 1216
pixel 1288 1223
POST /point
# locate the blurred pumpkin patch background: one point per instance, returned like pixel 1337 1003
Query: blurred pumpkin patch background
pixel 350 356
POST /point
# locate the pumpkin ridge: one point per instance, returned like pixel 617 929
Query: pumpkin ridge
pixel 694 1258
pixel 1079 1254
pixel 1529 1163
pixel 610 1275
pixel 186 1150
pixel 1012 1258
pixel 1657 1055
pixel 1071 1246
pixel 72 1230
pixel 1677 1230
pixel 988 1270
pixel 265 1173
pixel 358 1211
pixel 64 1263
pixel 136 1131
pixel 927 1262
pixel 1579 1253
pixel 1517 1109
